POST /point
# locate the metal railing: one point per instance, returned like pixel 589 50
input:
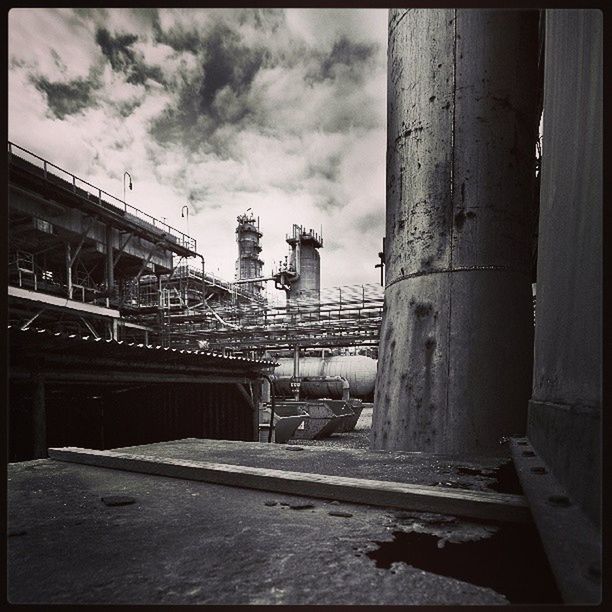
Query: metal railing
pixel 97 193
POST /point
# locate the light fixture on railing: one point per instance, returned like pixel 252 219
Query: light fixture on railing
pixel 126 173
pixel 185 213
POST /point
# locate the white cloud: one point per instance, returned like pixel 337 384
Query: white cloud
pixel 307 140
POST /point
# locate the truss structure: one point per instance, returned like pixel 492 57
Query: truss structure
pixel 343 316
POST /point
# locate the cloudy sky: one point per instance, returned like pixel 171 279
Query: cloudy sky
pixel 282 110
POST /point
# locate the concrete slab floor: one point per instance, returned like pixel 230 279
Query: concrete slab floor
pixel 417 468
pixel 198 543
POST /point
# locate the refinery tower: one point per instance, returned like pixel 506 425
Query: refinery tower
pixel 249 263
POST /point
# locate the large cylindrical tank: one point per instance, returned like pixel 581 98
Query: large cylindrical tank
pixel 360 371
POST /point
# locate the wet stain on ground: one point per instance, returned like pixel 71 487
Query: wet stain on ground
pixel 504 478
pixel 497 562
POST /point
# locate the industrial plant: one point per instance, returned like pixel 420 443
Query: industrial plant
pixel 405 442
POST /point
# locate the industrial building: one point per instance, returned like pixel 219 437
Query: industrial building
pixel 147 396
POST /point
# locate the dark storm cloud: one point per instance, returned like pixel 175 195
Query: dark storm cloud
pixel 350 57
pixel 117 49
pixel 68 98
pixel 177 38
pixel 216 94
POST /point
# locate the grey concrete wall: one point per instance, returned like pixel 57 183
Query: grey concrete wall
pixel 564 413
pixel 454 370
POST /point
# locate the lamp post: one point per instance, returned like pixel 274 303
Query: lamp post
pixel 126 173
pixel 185 213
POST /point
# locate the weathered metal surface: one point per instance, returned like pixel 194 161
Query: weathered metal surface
pixel 321 421
pixel 571 541
pixel 284 426
pixel 341 409
pixel 565 410
pixel 454 367
pixel 356 407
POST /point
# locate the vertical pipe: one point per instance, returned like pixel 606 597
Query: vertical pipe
pixel 296 361
pixel 39 416
pixel 68 272
pixel 110 264
pixel 296 371
pixel 456 344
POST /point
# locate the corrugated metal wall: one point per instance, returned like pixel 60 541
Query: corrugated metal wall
pixel 109 418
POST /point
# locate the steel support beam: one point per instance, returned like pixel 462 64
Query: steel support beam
pixel 63 303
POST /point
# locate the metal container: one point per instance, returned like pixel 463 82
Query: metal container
pixel 359 370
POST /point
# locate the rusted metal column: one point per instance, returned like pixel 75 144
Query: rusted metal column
pixel 456 345
pixel 39 416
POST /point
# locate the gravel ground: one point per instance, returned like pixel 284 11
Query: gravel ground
pixel 358 438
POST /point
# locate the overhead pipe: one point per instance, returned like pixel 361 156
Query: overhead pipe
pixel 242 281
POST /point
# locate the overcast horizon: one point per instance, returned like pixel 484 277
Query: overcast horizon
pixel 279 110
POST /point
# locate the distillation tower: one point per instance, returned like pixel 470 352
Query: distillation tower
pixel 249 263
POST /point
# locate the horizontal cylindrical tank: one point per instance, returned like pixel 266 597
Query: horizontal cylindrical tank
pixel 359 370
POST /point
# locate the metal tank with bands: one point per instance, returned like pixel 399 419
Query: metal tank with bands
pixel 359 370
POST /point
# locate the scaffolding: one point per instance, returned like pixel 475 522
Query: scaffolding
pixel 343 316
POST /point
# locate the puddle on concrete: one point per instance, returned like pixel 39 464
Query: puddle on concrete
pixel 512 562
pixel 506 479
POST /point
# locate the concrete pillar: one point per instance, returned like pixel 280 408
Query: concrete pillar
pixel 455 354
pixel 39 417
pixel 565 409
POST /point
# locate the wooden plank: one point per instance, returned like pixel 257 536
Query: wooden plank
pixel 461 502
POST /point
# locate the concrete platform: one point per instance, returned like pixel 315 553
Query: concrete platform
pixel 415 468
pixel 186 542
